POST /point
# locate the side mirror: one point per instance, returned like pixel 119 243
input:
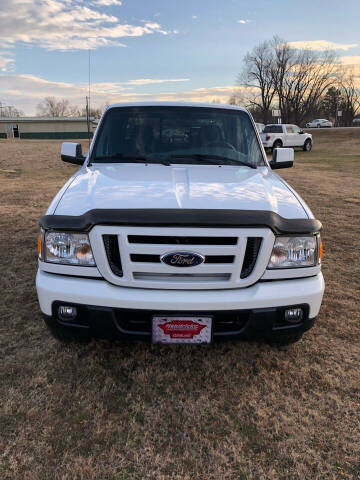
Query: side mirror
pixel 72 153
pixel 282 158
pixel 301 131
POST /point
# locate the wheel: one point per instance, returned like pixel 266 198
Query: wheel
pixel 65 334
pixel 318 125
pixel 281 340
pixel 307 145
pixel 277 144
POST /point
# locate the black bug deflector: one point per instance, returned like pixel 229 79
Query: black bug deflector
pixel 181 218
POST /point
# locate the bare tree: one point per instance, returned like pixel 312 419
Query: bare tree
pixel 74 111
pixel 95 112
pixel 301 78
pixel 284 62
pixel 278 76
pixel 51 107
pixel 350 98
pixel 10 112
pixel 257 77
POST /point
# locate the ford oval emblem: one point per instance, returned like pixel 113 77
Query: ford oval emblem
pixel 182 259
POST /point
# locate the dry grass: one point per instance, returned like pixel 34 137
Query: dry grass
pixel 230 411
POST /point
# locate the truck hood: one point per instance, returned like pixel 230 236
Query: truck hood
pixel 140 186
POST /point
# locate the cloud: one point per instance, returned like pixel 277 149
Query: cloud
pixel 321 45
pixel 351 65
pixel 148 81
pixel 7 62
pixel 348 60
pixel 66 25
pixel 26 91
pixel 194 17
pixel 107 3
pixel 243 21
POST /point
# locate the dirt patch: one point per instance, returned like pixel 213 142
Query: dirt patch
pixel 134 411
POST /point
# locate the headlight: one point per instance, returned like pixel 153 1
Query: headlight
pixel 68 248
pixel 293 252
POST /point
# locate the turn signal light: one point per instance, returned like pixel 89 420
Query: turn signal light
pixel 321 249
pixel 39 245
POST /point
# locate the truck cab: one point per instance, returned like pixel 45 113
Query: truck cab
pixel 176 229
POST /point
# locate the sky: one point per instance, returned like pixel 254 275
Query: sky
pixel 144 50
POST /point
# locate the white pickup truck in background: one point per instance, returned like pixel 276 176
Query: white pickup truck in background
pixel 281 135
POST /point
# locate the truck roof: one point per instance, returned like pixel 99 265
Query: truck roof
pixel 176 104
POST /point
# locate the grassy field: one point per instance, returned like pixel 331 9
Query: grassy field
pixel 105 410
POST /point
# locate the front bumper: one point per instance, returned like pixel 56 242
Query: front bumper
pixel 255 309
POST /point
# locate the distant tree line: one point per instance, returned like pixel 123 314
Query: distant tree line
pixel 53 107
pixel 9 111
pixel 302 84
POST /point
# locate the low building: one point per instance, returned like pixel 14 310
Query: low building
pixel 41 127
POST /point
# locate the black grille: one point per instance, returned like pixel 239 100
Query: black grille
pixel 145 258
pixel 138 321
pixel 113 254
pixel 172 240
pixel 251 253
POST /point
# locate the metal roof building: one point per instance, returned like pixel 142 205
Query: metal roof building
pixel 44 127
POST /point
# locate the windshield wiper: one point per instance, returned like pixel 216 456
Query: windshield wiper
pixel 134 158
pixel 214 159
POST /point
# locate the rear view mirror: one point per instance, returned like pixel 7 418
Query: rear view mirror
pixel 282 158
pixel 71 152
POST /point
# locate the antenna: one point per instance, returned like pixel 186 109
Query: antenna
pixel 88 100
pixel 89 75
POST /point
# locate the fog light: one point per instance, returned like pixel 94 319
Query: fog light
pixel 67 313
pixel 293 315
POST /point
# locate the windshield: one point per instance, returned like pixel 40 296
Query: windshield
pixel 177 135
pixel 273 129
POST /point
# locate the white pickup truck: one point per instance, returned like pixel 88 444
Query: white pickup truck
pixel 281 135
pixel 175 229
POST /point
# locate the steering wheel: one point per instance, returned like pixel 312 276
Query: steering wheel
pixel 221 143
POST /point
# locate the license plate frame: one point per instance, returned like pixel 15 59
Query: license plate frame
pixel 182 329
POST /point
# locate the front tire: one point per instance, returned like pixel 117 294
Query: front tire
pixel 307 145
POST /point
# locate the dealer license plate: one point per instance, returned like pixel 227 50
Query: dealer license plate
pixel 181 329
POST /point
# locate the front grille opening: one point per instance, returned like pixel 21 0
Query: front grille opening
pixel 177 240
pixel 219 259
pixel 251 254
pixel 138 322
pixel 147 258
pixel 144 258
pixel 111 245
pixel 179 277
pixel 230 322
